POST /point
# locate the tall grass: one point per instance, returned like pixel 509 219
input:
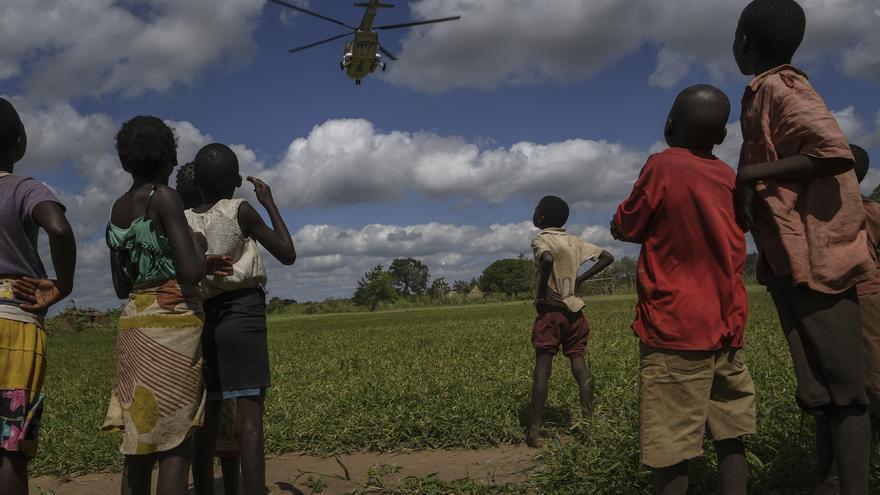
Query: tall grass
pixel 449 377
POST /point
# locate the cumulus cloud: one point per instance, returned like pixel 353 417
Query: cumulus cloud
pixel 71 48
pixel 350 161
pixel 498 42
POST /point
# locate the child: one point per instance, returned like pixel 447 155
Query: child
pixel 869 292
pixel 798 195
pixel 560 320
pixel 26 205
pixel 692 306
pixel 158 398
pixel 227 440
pixel 234 338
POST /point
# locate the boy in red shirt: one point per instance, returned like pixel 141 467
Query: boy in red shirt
pixel 692 306
pixel 797 194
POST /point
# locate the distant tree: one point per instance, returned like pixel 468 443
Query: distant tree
pixel 876 194
pixel 277 305
pixel 511 276
pixel 439 288
pixel 410 276
pixel 376 286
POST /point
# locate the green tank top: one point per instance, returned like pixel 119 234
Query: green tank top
pixel 140 253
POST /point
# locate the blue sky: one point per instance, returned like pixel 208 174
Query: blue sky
pixel 451 147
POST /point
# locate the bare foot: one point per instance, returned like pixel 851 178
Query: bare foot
pixel 533 439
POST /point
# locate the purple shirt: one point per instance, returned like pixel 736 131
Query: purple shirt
pixel 18 230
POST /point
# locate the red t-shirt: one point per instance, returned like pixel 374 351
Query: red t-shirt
pixel 690 285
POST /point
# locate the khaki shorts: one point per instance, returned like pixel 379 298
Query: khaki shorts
pixel 682 392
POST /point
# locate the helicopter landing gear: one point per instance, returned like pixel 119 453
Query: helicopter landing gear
pixel 357 82
pixel 384 67
pixel 341 66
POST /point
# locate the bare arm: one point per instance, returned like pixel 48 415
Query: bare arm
pixel 276 240
pixel 62 244
pixel 795 168
pixel 189 262
pixel 605 259
pixel 546 268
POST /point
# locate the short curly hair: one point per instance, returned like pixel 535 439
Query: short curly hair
pixel 776 27
pixel 863 162
pixel 186 186
pixel 216 168
pixel 146 145
pixel 10 126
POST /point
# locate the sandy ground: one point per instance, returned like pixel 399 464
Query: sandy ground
pixel 284 474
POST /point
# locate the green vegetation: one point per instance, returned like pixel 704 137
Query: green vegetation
pixel 446 377
pixel 510 277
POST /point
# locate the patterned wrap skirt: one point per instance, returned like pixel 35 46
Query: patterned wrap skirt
pixel 22 373
pixel 158 399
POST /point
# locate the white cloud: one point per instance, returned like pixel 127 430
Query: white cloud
pixel 499 42
pixel 71 48
pixel 349 161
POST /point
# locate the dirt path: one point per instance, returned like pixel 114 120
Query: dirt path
pixel 283 473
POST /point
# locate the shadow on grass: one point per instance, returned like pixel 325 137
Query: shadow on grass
pixel 554 415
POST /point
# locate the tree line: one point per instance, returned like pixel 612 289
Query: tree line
pixel 411 278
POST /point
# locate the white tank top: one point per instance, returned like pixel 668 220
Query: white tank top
pixel 220 227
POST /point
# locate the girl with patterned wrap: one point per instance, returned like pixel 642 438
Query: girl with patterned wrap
pixel 157 262
pixel 26 293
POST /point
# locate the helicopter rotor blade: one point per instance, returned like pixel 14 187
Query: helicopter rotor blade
pixel 387 53
pixel 309 12
pixel 328 40
pixel 411 24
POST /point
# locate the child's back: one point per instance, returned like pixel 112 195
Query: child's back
pixel 220 226
pixel 691 292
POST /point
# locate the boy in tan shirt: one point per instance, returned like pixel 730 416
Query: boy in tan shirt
pixel 560 320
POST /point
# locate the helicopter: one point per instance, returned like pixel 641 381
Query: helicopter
pixel 361 56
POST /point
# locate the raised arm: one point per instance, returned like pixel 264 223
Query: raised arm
pixel 189 261
pixel 605 259
pixel 276 240
pixel 62 244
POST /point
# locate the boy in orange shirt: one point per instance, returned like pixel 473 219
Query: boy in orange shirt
pixel 797 194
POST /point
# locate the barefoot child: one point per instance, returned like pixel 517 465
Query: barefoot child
pixel 560 320
pixel 798 195
pixel 234 338
pixel 692 305
pixel 26 205
pixel 227 439
pixel 158 398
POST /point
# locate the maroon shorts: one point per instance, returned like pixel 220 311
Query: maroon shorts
pixel 554 328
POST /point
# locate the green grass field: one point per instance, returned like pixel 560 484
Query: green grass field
pixel 450 377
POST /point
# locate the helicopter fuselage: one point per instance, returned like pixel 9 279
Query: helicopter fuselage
pixel 361 55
